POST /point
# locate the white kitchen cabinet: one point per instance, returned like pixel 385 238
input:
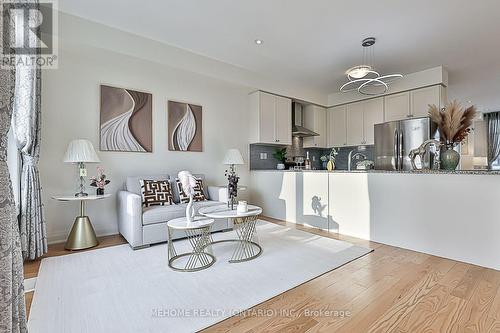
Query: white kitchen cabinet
pixel 271 119
pixel 420 99
pixel 315 120
pixel 414 103
pixel 336 126
pixel 283 120
pixel 355 123
pixel 361 119
pixel 373 113
pixel 397 106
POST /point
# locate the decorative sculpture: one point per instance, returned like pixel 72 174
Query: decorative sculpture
pixel 188 182
pixel 421 151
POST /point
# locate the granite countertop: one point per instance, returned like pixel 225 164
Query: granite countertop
pixel 437 172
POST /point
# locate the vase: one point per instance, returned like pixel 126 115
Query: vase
pixel 99 191
pixel 324 165
pixel 449 158
pixel 330 166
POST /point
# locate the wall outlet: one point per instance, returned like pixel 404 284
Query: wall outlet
pixel 263 156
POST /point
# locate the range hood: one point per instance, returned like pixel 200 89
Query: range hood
pixel 298 130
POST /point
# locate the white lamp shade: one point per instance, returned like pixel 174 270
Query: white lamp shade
pixel 81 151
pixel 233 156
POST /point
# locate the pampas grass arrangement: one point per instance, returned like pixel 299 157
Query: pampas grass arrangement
pixel 453 122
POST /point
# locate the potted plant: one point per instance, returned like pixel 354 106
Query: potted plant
pixel 99 181
pixel 324 161
pixel 453 123
pixel 280 155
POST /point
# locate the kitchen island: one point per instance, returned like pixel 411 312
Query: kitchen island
pixel 448 214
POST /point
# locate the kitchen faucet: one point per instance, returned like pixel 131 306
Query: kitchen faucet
pixel 358 154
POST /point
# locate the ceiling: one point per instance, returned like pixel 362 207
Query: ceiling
pixel 313 42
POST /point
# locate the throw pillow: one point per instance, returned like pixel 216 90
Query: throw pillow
pixel 199 194
pixel 156 193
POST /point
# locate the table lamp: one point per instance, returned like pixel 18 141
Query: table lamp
pixel 81 151
pixel 233 157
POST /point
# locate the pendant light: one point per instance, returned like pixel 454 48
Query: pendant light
pixel 364 78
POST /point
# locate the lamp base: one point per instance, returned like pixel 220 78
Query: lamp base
pixel 82 235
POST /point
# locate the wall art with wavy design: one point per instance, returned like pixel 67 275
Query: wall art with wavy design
pixel 184 127
pixel 126 120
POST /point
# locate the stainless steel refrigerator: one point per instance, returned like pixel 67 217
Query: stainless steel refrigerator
pixel 395 139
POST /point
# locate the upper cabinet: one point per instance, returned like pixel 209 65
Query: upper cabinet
pixel 421 98
pixel 373 113
pixel 271 119
pixel 336 126
pixel 361 119
pixel 414 103
pixel 315 120
pixel 355 128
pixel 397 106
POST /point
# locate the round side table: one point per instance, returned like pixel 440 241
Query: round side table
pixel 198 234
pixel 247 245
pixel 82 235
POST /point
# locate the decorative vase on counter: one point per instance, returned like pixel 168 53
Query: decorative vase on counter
pixel 449 158
pixel 324 165
pixel 330 166
pixel 99 191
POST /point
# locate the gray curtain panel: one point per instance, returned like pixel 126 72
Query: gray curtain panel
pixel 26 122
pixel 493 136
pixel 12 307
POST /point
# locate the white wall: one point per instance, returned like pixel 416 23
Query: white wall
pixel 70 106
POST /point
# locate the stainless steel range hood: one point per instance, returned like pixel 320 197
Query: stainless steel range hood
pixel 298 129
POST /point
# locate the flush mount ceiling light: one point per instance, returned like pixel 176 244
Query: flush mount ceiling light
pixel 259 41
pixel 364 78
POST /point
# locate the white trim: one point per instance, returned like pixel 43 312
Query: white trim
pixel 29 285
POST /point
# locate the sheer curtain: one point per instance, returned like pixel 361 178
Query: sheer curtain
pixel 493 137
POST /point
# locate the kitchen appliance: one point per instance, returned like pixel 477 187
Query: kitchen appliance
pixel 297 122
pixel 395 140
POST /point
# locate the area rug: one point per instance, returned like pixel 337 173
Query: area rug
pixel 117 289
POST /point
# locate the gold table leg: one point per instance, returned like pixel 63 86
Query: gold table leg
pixel 82 235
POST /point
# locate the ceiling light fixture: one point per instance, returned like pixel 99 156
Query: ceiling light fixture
pixel 259 41
pixel 364 78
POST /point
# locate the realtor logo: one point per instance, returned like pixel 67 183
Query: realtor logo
pixel 28 34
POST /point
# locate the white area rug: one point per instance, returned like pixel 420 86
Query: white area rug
pixel 117 289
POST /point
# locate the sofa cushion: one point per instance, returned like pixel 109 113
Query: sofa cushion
pixel 133 183
pixel 156 193
pixel 175 190
pixel 159 214
pixel 199 193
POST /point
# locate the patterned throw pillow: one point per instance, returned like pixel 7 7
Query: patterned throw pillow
pixel 156 193
pixel 199 194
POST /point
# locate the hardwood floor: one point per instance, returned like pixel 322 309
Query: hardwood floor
pixel 388 290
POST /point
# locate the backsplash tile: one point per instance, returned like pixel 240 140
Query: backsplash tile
pixel 297 149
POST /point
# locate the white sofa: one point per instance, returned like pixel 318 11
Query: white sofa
pixel 142 227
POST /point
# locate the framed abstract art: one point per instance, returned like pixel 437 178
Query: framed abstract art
pixel 184 127
pixel 126 120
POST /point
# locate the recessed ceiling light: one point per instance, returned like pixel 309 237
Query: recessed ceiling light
pixel 469 101
pixel 259 41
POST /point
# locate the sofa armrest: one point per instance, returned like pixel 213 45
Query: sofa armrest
pixel 130 217
pixel 218 193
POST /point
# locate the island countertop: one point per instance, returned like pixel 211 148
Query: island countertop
pixel 413 172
